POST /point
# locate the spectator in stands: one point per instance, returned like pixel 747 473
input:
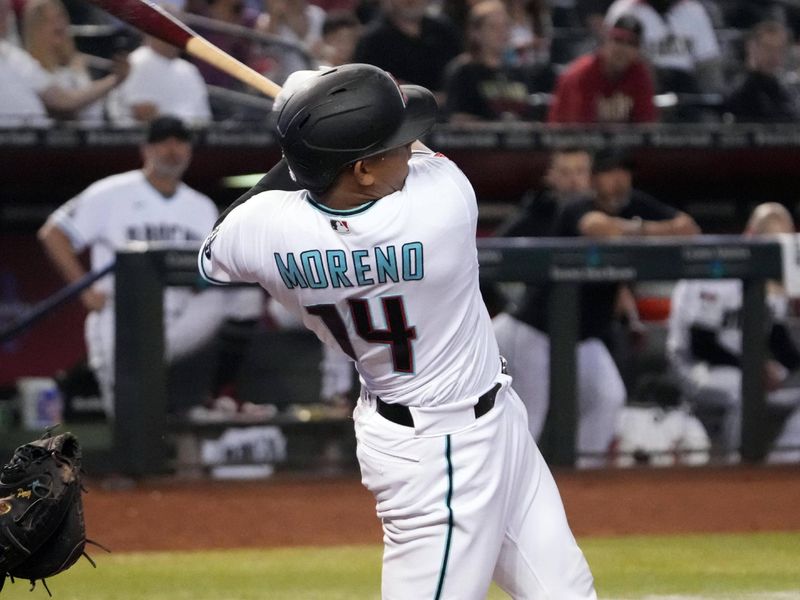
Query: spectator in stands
pixel 577 30
pixel 414 46
pixel 48 40
pixel 568 178
pixel 160 82
pixel 340 34
pixel 680 42
pixel 29 91
pixel 8 24
pixel 761 97
pixel 704 346
pixel 612 85
pixel 297 22
pixel 147 205
pixel 615 210
pixel 233 12
pixel 530 31
pixel 481 85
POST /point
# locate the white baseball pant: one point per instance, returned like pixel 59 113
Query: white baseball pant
pixel 600 389
pixel 463 507
pixel 721 386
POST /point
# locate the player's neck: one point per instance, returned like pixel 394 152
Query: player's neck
pixel 166 186
pixel 347 194
pixel 345 201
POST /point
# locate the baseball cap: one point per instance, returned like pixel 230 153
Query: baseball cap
pixel 610 160
pixel 166 126
pixel 626 29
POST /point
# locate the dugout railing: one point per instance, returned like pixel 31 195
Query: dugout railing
pixel 144 270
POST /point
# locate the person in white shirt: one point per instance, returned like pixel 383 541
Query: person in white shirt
pixel 151 204
pixel 679 40
pixel 376 254
pixel 160 82
pixel 29 92
pixel 48 40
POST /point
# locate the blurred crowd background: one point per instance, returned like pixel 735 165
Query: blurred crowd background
pixel 78 88
pixel 488 60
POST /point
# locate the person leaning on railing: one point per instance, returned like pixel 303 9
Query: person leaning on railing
pixel 30 92
pixel 48 39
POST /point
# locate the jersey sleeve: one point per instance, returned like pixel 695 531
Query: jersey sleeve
pixel 705 46
pixel 29 69
pixel 83 218
pixel 223 257
pixel 437 160
pixel 647 207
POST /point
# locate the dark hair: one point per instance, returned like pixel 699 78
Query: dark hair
pixel 167 126
pixel 766 28
pixel 612 159
pixel 569 150
pixel 476 18
pixel 628 25
pixel 339 19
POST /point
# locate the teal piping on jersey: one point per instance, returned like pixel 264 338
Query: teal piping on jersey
pixel 449 519
pixel 201 267
pixel 338 213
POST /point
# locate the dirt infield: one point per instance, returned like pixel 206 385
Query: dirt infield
pixel 291 511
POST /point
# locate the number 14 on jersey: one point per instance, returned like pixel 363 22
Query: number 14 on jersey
pixel 398 335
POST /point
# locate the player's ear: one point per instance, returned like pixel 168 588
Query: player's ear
pixel 363 173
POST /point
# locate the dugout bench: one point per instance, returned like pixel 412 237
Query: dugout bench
pixel 143 270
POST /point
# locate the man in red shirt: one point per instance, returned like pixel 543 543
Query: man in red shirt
pixel 612 85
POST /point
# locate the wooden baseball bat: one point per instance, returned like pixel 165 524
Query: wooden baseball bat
pixel 155 21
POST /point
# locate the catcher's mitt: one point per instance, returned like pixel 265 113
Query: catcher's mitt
pixel 41 514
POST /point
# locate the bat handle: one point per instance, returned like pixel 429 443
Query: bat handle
pixel 204 50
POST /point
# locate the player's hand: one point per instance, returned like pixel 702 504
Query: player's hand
pixel 120 66
pixel 774 375
pixel 683 224
pixel 93 300
pixel 637 335
pixel 144 111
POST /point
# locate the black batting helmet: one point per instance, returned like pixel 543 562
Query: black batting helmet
pixel 346 114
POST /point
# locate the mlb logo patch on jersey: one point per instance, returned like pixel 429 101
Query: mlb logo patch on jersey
pixel 340 226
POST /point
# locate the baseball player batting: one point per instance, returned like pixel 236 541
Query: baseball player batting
pixel 377 255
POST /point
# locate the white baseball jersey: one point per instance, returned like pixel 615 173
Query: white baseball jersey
pixel 716 305
pixel 463 498
pixel 22 79
pixel 356 277
pixel 123 208
pixel 680 39
pixel 174 85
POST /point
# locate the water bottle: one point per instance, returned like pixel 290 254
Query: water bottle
pixel 49 408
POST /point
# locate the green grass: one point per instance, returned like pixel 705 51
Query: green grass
pixel 708 566
pixel 716 566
